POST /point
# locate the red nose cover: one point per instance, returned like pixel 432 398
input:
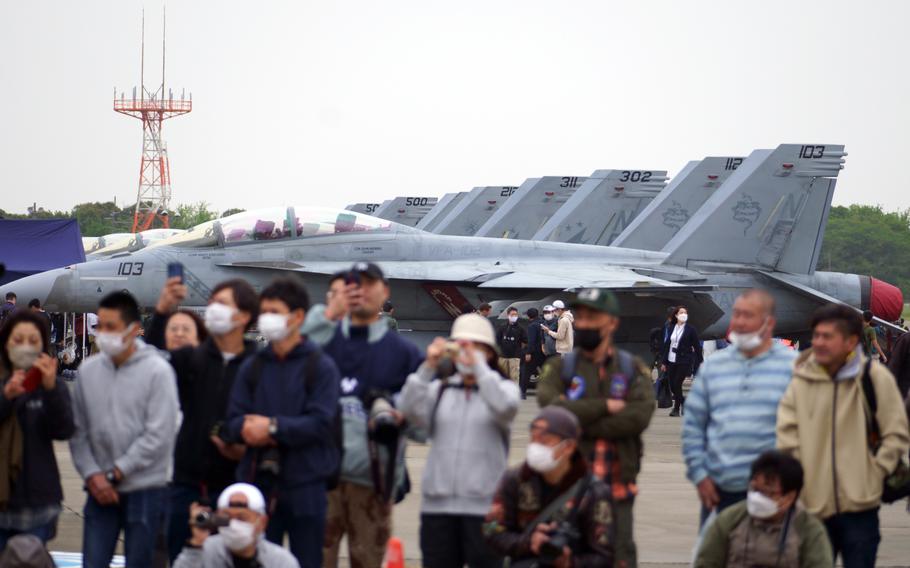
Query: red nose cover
pixel 886 301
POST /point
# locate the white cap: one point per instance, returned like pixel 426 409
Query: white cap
pixel 559 305
pixel 254 500
pixel 474 327
pixel 548 308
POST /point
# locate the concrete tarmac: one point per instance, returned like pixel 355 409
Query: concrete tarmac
pixel 666 513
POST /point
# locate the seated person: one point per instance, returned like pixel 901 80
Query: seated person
pixel 769 528
pixel 241 507
pixel 552 490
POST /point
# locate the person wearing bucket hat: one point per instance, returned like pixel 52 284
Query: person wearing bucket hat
pixel 610 392
pixel 458 397
pixel 550 491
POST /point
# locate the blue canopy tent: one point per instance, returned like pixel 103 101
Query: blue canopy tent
pixel 32 246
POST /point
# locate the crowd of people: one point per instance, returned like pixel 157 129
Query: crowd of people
pixel 204 448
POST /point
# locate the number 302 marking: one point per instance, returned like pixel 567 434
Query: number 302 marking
pixel 635 176
pixel 130 268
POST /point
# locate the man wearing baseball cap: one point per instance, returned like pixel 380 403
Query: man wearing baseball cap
pixel 374 363
pixel 552 487
pixel 564 334
pixel 610 393
pixel 241 507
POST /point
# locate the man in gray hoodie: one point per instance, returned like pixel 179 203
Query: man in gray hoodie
pixel 125 408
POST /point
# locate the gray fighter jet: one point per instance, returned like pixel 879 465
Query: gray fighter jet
pixel 602 207
pixel 474 210
pixel 757 236
pixel 532 204
pixel 406 211
pixel 443 207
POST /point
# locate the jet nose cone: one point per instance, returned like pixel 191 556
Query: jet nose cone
pixel 40 286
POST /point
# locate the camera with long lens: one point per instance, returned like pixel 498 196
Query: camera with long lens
pixel 565 535
pixel 210 520
pixel 446 367
pixel 384 426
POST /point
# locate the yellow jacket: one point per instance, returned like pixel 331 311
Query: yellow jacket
pixel 841 473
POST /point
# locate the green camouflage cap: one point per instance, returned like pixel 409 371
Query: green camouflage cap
pixel 599 299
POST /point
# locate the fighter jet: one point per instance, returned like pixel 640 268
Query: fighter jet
pixel 133 242
pixel 672 208
pixel 757 236
pixel 474 210
pixel 532 204
pixel 443 207
pixel 406 211
pixel 602 207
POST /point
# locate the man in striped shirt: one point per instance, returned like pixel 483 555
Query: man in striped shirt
pixel 731 412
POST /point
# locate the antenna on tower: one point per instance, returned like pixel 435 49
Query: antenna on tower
pixel 154 195
pixel 163 50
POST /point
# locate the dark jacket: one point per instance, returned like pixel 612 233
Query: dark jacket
pixel 624 428
pixel 535 339
pixel 6 309
pixel 688 352
pixel 523 494
pixel 204 383
pixel 899 363
pixel 44 416
pixel 304 407
pixel 511 339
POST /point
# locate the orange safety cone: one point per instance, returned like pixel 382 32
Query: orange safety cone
pixel 394 554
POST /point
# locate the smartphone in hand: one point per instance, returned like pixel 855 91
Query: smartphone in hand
pixel 175 269
pixel 32 380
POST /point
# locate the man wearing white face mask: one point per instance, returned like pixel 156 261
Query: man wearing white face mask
pixel 731 411
pixel 283 406
pixel 204 463
pixel 770 528
pixel 551 488
pixel 512 340
pixel 125 410
pixel 241 542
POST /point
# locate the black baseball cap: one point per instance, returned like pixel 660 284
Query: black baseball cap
pixel 369 270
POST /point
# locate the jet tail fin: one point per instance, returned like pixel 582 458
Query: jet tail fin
pixel 406 210
pixel 672 208
pixel 770 213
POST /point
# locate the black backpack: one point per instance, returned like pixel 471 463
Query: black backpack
pixel 311 372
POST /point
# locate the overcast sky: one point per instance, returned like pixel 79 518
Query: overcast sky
pixel 334 102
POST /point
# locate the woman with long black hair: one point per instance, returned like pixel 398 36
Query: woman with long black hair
pixel 681 356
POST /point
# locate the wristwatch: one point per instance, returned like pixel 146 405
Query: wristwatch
pixel 273 427
pixel 111 477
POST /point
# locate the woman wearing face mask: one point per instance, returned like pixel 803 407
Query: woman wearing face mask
pixel 681 356
pixel 467 408
pixel 35 410
pixel 769 528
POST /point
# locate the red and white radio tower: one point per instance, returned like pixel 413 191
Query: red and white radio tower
pixel 152 108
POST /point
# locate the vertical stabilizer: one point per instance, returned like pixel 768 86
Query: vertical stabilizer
pixel 666 214
pixel 473 210
pixel 532 205
pixel 603 206
pixel 769 213
pixel 406 210
pixel 442 208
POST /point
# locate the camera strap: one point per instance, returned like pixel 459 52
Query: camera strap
pixel 571 496
pixel 384 485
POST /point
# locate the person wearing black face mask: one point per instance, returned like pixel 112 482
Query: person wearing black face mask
pixel 610 393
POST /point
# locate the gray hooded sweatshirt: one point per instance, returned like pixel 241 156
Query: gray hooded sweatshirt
pixel 126 417
pixel 215 554
pixel 469 451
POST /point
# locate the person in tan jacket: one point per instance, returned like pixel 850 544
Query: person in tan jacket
pixel 822 421
pixel 565 333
